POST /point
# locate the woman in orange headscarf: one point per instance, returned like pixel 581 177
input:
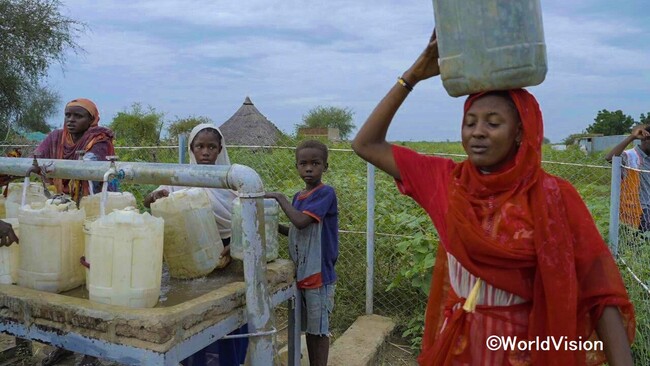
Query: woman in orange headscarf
pixel 513 261
pixel 81 131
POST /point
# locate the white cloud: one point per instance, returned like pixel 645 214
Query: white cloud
pixel 204 57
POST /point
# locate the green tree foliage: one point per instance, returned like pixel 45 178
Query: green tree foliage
pixel 644 119
pixel 33 35
pixel 611 123
pixel 39 106
pixel 185 125
pixel 137 126
pixel 333 117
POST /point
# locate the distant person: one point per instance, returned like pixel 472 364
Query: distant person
pixel 208 147
pixel 313 246
pixel 81 131
pixel 635 186
pixel 519 256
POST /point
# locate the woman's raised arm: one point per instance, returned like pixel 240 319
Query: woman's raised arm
pixel 370 143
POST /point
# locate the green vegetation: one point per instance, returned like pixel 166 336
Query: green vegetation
pixel 35 35
pixel 333 117
pixel 405 240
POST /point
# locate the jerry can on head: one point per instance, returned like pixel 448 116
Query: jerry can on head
pixel 489 44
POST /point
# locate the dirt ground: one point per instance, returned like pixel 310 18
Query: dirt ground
pixel 396 352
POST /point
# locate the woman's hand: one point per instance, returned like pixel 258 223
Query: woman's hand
pixel 426 65
pixel 154 196
pixel 7 234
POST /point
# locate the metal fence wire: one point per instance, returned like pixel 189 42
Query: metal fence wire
pixel 404 238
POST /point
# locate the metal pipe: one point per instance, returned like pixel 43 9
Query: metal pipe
pixel 213 176
pixel 370 238
pixel 614 205
pixel 258 309
pixel 238 177
pixel 182 148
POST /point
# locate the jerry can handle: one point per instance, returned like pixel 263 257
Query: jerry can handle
pixel 83 262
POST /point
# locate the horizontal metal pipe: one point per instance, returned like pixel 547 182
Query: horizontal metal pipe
pixel 238 177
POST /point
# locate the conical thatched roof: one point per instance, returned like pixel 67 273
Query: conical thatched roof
pixel 249 127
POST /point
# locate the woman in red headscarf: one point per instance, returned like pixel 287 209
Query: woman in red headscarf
pixel 81 131
pixel 514 264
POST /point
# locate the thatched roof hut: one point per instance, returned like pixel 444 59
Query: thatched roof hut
pixel 249 127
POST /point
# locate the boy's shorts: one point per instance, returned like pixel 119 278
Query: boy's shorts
pixel 317 306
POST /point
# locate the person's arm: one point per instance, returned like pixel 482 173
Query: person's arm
pixel 297 218
pixel 615 344
pixel 638 132
pixel 370 143
pixel 7 234
pixel 153 196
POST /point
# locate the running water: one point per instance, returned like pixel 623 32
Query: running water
pixel 23 199
pixel 102 202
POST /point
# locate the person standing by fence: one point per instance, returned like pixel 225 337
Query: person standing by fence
pixel 313 246
pixel 635 186
pixel 519 253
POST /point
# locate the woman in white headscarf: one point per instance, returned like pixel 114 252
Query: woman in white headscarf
pixel 207 146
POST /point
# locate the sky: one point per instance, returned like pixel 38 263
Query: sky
pixel 202 58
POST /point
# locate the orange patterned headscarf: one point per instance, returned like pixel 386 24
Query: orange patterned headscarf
pixel 66 147
pixel 535 249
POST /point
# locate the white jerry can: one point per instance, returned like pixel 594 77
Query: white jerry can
pixel 192 243
pixel 271 212
pixel 125 258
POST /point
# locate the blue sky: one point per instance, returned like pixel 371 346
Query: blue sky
pixel 204 57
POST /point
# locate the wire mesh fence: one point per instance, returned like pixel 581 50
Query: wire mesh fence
pixel 405 240
pixel 633 249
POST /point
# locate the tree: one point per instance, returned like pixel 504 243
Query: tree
pixel 644 119
pixel 611 123
pixel 185 125
pixel 137 127
pixel 333 117
pixel 39 106
pixel 33 35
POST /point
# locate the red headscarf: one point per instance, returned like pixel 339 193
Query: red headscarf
pixel 563 266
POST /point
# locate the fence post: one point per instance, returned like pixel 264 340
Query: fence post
pixel 614 205
pixel 182 148
pixel 370 236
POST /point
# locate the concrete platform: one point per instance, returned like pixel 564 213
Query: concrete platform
pixel 78 324
pixel 360 343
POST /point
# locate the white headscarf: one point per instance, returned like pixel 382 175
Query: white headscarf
pixel 221 199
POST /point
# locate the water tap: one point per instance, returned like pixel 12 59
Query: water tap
pixel 112 170
pixel 34 168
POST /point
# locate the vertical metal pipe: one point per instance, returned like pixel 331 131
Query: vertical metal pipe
pixel 614 205
pixel 182 148
pixel 295 316
pixel 258 307
pixel 370 237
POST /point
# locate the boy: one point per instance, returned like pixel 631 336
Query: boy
pixel 313 245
